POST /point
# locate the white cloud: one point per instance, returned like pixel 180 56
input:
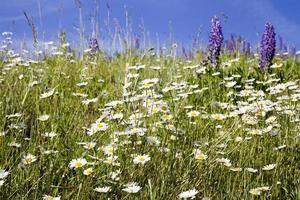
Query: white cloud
pixel 263 10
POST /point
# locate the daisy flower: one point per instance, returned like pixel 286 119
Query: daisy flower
pixel 47 94
pixel 77 163
pixel 50 135
pixel 199 155
pixel 104 189
pixel 88 171
pixel 193 113
pixel 141 159
pixel 188 194
pixel 255 192
pixel 100 126
pixel 43 118
pixel 131 188
pixel 252 170
pixel 89 145
pixel 48 197
pixel 218 117
pixel 269 167
pixel 28 159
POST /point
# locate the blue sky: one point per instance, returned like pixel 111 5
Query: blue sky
pixel 185 18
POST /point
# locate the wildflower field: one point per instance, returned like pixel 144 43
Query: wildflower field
pixel 138 125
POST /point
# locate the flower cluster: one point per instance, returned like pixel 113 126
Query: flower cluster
pixel 267 46
pixel 215 41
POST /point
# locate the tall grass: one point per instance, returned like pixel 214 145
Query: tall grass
pixel 84 128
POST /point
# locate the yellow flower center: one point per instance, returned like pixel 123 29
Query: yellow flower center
pixel 199 157
pixel 142 158
pixel 29 160
pixel 78 164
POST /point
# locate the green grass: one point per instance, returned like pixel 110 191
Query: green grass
pixel 173 168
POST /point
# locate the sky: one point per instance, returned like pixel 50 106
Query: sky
pixel 183 19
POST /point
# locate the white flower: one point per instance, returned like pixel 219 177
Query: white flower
pixel 199 155
pixel 43 118
pixel 47 94
pixel 276 65
pixel 236 169
pixel 79 94
pixel 77 163
pixel 230 84
pixel 100 126
pixel 255 192
pixel 117 116
pixel 252 170
pixel 141 159
pixel 224 161
pixel 131 188
pixel 50 135
pixel 188 194
pixel 1 182
pixel 103 189
pixel 28 159
pixel 153 140
pixel 109 149
pixel 3 173
pixel 82 84
pixel 88 101
pixel 88 171
pixel 89 145
pixel 16 115
pixel 269 167
pixel 218 116
pixel 48 197
pixel 193 114
pixel 91 131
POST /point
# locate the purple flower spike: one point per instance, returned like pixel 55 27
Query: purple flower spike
pixel 215 41
pixel 94 47
pixel 267 46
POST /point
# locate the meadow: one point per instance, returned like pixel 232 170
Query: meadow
pixel 138 125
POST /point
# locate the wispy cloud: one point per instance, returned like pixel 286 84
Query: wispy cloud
pixel 263 10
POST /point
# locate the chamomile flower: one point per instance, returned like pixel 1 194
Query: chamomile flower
pixel 88 171
pixel 109 149
pixel 89 145
pixel 153 140
pixel 218 117
pixel 104 189
pixel 193 113
pixel 230 84
pixel 47 94
pixel 252 170
pixel 141 159
pixel 88 101
pixel 269 167
pixel 48 197
pixel 224 161
pixel 131 188
pixel 50 134
pixel 28 159
pixel 100 126
pixel 188 194
pixel 255 192
pixel 77 163
pixel 199 155
pixel 44 117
